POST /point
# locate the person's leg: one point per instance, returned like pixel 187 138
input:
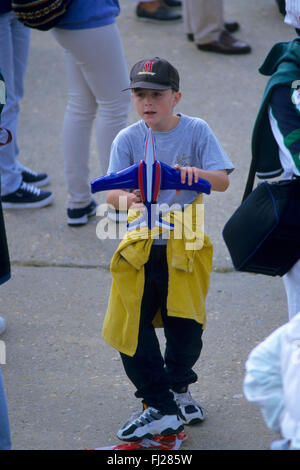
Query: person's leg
pixel 21 44
pixel 184 344
pixel 183 348
pixel 15 192
pixel 291 282
pixel 96 77
pixel 76 132
pixel 204 19
pixel 5 439
pixel 114 104
pixel 146 368
pixel 14 39
pixel 2 325
pixel 204 24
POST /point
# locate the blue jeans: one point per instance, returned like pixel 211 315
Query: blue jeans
pixel 5 442
pixel 14 50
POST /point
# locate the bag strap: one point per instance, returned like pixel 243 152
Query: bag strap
pixel 251 178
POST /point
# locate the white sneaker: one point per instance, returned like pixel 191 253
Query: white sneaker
pixel 189 410
pixel 149 424
pixel 2 325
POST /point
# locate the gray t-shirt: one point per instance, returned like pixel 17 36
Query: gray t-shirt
pixel 190 143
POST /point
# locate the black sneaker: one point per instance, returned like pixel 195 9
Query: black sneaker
pixel 27 196
pixel 31 177
pixel 80 216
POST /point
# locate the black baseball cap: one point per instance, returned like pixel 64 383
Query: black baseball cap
pixel 155 74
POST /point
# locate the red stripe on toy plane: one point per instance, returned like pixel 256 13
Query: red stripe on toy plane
pixel 141 180
pixel 157 181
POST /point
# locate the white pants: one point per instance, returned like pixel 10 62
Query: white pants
pixel 291 282
pixel 97 74
pixel 204 19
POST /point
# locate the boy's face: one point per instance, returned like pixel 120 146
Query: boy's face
pixel 156 107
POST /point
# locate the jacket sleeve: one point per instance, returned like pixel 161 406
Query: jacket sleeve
pixel 290 366
pixel 263 382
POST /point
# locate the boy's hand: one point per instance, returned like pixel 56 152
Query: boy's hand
pixel 217 178
pixel 135 200
pixel 192 173
pixel 137 194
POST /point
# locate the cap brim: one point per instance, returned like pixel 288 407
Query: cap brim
pixel 148 85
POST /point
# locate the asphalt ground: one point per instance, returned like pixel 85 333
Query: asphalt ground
pixel 65 386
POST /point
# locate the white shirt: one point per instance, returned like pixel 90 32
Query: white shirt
pixel 273 380
pixel 292 16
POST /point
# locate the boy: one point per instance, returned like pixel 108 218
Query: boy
pixel 159 275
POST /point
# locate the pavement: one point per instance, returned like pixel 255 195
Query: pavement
pixel 65 386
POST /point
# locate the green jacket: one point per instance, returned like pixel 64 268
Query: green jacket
pixel 283 65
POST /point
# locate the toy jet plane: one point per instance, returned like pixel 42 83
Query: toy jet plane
pixel 149 176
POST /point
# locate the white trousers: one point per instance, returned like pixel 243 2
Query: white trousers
pixel 96 74
pixel 291 282
pixel 204 19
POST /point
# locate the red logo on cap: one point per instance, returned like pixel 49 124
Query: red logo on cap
pixel 148 66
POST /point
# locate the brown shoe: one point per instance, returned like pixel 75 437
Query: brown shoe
pixel 231 27
pixel 226 44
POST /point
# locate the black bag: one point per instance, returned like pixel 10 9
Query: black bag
pixel 263 234
pixel 39 14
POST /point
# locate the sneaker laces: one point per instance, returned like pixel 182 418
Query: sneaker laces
pixel 184 399
pixel 141 418
pixel 147 416
pixel 30 188
pixel 133 417
pixel 28 170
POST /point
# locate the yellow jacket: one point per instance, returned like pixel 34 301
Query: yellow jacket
pixel 189 259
